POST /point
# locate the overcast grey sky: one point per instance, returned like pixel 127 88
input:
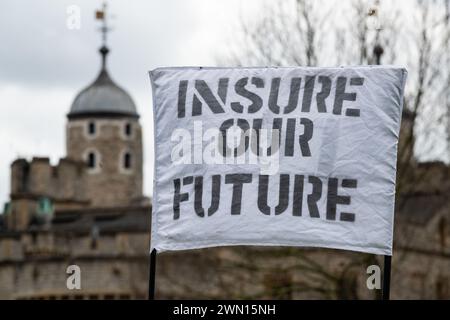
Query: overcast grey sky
pixel 44 64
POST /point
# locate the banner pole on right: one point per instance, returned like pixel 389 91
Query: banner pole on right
pixel 386 278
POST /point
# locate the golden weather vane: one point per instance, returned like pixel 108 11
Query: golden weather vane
pixel 104 29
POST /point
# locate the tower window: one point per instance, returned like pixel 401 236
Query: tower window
pixel 91 160
pixel 127 160
pixel 128 129
pixel 91 128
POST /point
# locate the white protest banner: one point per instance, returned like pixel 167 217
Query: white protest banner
pixel 276 156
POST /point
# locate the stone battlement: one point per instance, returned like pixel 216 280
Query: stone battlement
pixel 38 178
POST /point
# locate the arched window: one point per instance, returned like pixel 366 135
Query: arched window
pixel 91 160
pixel 127 129
pixel 127 160
pixel 91 128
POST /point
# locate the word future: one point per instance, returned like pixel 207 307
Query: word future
pixel 239 180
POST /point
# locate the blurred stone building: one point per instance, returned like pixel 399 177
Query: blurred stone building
pixel 89 210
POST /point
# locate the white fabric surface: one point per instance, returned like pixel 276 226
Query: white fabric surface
pixel 342 147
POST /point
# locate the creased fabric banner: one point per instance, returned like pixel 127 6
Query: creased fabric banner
pixel 276 156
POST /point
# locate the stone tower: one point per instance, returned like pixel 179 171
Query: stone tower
pixel 103 130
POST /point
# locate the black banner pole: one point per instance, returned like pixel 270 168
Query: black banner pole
pixel 386 278
pixel 152 276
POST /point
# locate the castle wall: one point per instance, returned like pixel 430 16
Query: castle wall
pixel 34 266
pixel 20 176
pixel 109 184
pixel 38 178
pixel 69 179
pixel 31 180
pixel 22 210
